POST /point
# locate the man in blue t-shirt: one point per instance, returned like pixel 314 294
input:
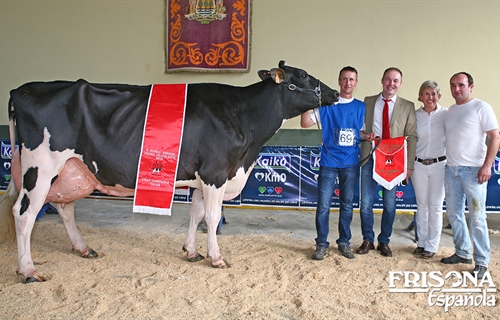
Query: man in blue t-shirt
pixel 341 124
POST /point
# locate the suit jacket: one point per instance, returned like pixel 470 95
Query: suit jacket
pixel 403 123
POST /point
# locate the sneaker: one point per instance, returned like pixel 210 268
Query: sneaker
pixel 346 251
pixel 454 259
pixel 479 271
pixel 319 253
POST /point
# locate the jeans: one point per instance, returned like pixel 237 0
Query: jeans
pixel 368 193
pixel 460 184
pixel 326 185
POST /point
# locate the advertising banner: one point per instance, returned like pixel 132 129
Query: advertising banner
pixel 309 187
pixel 275 179
pixel 493 199
pixel 286 176
pixel 6 156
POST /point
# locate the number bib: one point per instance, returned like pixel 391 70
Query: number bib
pixel 346 137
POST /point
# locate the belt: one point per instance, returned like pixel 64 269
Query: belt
pixel 430 161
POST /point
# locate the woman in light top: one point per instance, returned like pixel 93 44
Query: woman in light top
pixel 430 162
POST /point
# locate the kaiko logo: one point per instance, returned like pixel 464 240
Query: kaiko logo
pixel 6 151
pixel 454 289
pixel 273 160
pixel 314 159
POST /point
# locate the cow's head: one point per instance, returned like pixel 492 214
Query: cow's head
pixel 306 91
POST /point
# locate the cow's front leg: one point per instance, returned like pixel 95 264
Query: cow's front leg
pixel 212 218
pixel 67 214
pixel 213 204
pixel 196 214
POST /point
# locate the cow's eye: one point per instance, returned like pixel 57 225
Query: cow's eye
pixel 303 76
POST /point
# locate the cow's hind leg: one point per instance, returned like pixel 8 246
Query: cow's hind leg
pixel 67 215
pixel 39 167
pixel 30 201
pixel 196 214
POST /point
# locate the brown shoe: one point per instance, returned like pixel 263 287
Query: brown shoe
pixel 384 249
pixel 427 255
pixel 365 247
pixel 418 251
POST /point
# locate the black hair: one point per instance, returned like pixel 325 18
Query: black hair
pixel 469 77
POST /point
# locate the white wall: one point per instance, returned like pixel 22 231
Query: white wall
pixel 123 42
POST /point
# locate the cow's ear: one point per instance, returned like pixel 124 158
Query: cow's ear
pixel 264 74
pixel 278 75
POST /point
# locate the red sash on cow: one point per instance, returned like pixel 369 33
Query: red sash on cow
pixel 389 162
pixel 161 143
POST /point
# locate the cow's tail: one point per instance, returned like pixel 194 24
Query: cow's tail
pixel 7 223
pixel 12 124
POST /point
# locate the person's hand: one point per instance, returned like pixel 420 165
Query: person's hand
pixel 370 136
pixel 409 172
pixel 484 174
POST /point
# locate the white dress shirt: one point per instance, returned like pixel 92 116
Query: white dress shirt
pixel 378 113
pixel 431 133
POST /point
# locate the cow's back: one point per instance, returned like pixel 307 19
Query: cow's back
pixel 101 122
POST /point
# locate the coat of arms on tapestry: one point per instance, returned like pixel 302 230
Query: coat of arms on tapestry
pixel 208 35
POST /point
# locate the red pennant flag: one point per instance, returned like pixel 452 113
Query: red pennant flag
pixel 389 162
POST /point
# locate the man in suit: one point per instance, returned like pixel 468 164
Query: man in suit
pixel 402 118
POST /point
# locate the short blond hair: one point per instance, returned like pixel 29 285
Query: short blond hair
pixel 429 84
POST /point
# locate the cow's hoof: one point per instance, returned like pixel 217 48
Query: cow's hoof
pixel 196 258
pixel 222 265
pixel 90 254
pixel 34 279
pixel 219 266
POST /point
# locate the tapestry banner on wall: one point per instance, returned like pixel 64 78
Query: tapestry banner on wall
pixel 208 35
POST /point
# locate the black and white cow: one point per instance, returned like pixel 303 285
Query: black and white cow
pixel 96 131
